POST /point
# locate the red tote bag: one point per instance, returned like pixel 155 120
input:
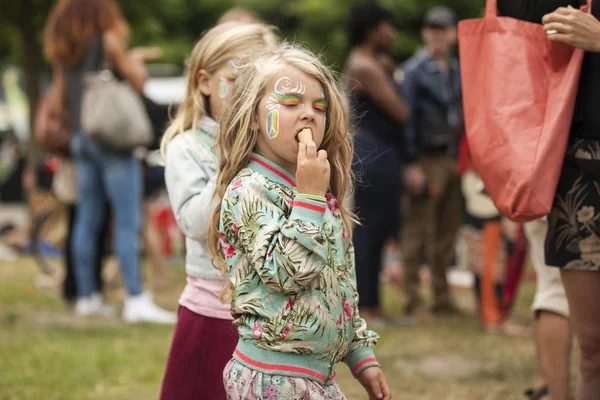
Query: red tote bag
pixel 519 91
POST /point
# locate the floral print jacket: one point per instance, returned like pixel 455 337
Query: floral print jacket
pixel 291 264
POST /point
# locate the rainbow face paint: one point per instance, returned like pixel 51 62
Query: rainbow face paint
pixel 321 105
pixel 226 78
pixel 273 124
pixel 230 71
pixel 286 99
pixel 283 94
pixel 223 87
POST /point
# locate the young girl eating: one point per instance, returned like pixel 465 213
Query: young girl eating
pixel 284 239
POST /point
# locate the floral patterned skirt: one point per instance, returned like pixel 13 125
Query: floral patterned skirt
pixel 573 240
pixel 243 383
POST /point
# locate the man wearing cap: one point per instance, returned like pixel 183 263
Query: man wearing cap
pixel 433 214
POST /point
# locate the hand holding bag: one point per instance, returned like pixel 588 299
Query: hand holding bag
pixel 519 91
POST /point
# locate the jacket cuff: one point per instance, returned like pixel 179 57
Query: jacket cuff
pixel 309 210
pixel 361 359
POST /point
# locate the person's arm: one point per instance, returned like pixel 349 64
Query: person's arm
pixel 361 357
pixel 128 66
pixel 361 353
pixel 531 10
pixel 372 81
pixel 286 252
pixel 190 187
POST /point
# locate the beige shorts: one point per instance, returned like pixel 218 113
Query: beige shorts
pixel 550 293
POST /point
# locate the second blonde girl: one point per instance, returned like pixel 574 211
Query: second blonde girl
pixel 204 336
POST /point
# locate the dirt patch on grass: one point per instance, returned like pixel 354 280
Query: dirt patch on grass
pixel 449 366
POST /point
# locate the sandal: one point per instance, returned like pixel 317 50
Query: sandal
pixel 537 394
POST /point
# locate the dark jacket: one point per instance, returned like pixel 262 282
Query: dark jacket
pixel 435 98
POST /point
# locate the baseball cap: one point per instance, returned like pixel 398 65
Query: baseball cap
pixel 441 17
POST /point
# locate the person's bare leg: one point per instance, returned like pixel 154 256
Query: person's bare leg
pixel 583 292
pixel 553 345
pixel 540 382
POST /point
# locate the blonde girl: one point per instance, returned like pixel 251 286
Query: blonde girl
pixel 284 239
pixel 204 336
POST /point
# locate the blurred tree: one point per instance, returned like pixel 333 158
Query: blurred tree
pixel 21 26
pixel 175 25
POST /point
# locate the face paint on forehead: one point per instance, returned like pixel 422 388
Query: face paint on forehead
pixel 285 85
pixel 278 96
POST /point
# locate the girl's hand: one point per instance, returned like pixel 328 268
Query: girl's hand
pixel 375 383
pixel 574 27
pixel 313 170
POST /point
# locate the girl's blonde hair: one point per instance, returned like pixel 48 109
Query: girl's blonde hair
pixel 238 136
pixel 223 43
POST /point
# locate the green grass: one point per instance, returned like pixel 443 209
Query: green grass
pixel 46 353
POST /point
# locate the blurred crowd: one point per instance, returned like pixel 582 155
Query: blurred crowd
pixel 412 206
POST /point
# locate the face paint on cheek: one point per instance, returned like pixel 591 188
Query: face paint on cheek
pixel 273 124
pixel 272 117
pixel 223 87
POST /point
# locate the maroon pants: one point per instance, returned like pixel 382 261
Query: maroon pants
pixel 201 348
